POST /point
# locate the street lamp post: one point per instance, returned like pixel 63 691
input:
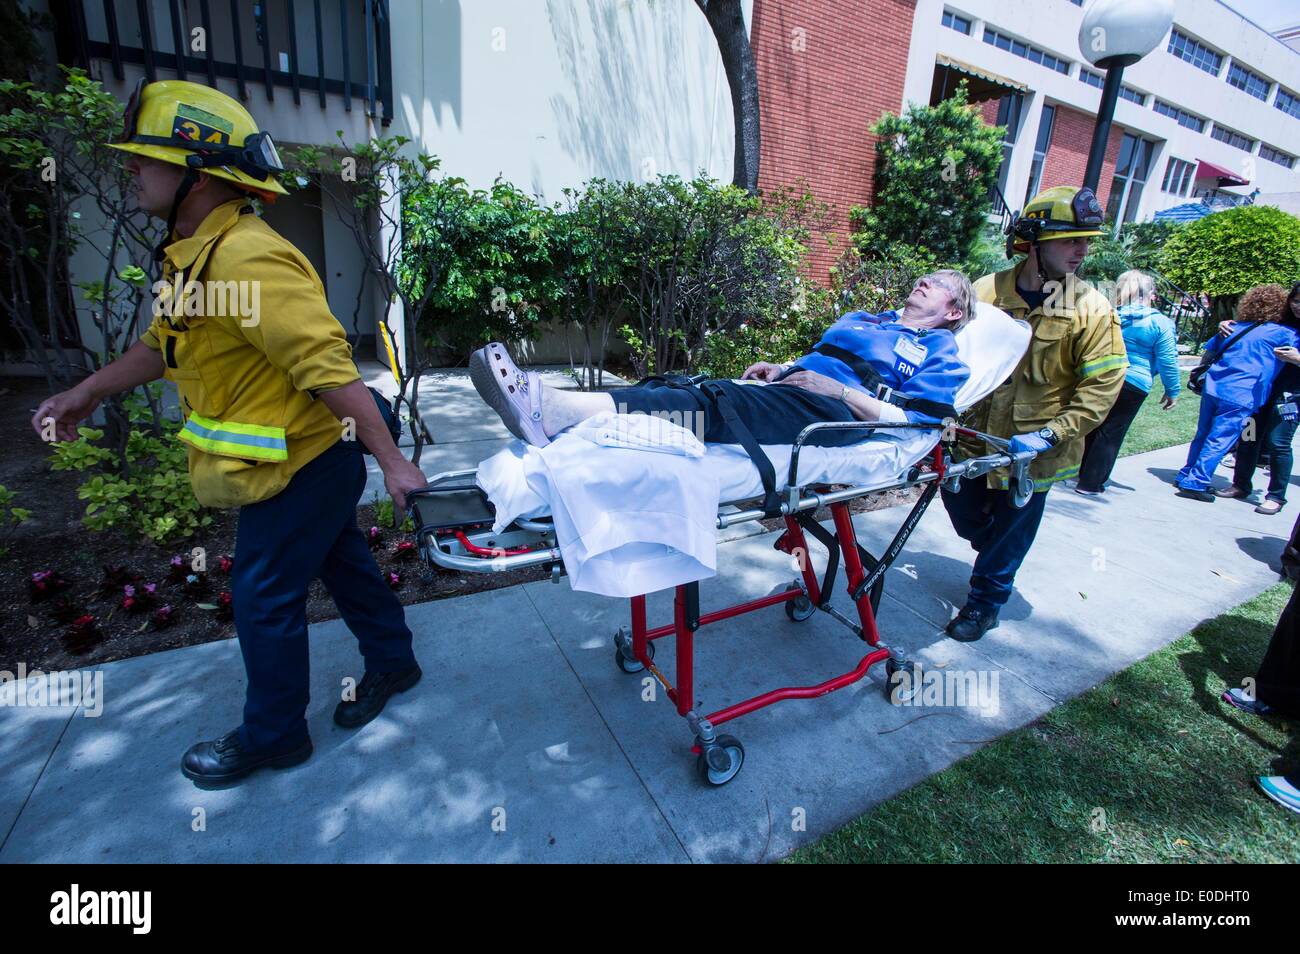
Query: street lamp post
pixel 1115 34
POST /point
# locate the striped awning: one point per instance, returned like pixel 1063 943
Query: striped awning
pixel 1208 170
pixel 944 60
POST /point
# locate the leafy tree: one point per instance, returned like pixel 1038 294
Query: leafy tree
pixel 697 258
pixel 1139 245
pixel 480 260
pixel 589 272
pixel 1228 252
pixel 934 169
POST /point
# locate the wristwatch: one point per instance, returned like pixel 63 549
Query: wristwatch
pixel 1049 435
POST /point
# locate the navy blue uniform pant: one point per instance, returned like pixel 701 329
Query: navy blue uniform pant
pixel 307 530
pixel 999 533
pixel 774 413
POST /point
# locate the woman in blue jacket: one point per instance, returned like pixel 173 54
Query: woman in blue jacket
pixel 1237 384
pixel 1273 430
pixel 1152 346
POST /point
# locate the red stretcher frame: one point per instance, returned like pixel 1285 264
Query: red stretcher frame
pixel 719 757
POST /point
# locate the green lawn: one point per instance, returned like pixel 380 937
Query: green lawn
pixel 1154 428
pixel 1170 766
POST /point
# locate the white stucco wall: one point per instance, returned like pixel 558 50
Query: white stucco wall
pixel 545 93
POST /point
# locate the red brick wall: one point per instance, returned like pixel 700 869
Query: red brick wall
pixel 827 69
pixel 1067 156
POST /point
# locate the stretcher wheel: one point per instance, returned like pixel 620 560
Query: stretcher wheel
pixel 907 686
pixel 720 761
pixel 631 665
pixel 799 609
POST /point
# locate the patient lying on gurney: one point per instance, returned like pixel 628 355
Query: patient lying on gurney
pixel 895 366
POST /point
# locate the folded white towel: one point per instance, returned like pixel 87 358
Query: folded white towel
pixel 646 432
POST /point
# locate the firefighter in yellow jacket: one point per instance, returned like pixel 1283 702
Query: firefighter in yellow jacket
pixel 1062 389
pixel 275 414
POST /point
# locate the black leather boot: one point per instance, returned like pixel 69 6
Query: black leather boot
pixel 971 623
pixel 372 695
pixel 225 760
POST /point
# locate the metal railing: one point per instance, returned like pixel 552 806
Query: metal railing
pixel 223 53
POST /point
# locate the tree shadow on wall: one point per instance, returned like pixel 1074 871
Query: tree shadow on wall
pixel 629 111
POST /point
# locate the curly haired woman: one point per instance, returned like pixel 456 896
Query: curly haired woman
pixel 1274 430
pixel 1238 383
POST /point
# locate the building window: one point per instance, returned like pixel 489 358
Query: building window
pixel 1041 144
pixel 1288 103
pixel 958 23
pixel 1178 177
pixel 1125 91
pixel 1223 134
pixel 1010 108
pixel 1025 51
pixel 1202 57
pixel 1252 83
pixel 1276 155
pixel 1181 116
pixel 1130 177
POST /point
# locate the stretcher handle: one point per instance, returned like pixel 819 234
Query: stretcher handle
pixel 792 480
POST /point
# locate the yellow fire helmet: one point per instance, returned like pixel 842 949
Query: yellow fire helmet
pixel 191 125
pixel 1059 213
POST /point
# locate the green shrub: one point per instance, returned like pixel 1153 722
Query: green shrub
pixel 1228 252
pixel 1139 245
pixel 878 281
pixel 10 517
pixel 696 259
pixel 786 338
pixel 480 260
pixel 153 500
pixel 935 168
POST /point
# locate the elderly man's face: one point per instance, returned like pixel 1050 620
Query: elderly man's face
pixel 930 305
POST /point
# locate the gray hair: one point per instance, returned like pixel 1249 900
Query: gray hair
pixel 963 296
pixel 1134 286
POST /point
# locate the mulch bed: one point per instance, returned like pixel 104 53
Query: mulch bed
pixel 45 635
pixel 46 626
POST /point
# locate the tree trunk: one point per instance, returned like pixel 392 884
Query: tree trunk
pixel 728 25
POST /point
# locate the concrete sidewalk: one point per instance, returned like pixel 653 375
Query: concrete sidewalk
pixel 524 742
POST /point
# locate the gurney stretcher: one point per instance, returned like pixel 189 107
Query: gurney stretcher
pixel 455 530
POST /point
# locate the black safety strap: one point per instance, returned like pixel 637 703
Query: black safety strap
pixel 766 472
pixel 718 397
pixel 831 542
pixel 874 383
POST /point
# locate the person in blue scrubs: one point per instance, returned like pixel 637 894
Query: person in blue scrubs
pixel 1275 429
pixel 910 354
pixel 1237 384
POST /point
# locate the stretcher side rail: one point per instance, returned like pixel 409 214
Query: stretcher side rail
pixel 526 543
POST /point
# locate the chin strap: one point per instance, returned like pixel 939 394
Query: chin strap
pixel 187 183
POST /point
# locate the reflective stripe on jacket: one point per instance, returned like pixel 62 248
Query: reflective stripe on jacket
pixel 1068 379
pixel 247 377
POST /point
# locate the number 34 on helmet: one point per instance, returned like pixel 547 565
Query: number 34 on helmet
pixel 201 128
